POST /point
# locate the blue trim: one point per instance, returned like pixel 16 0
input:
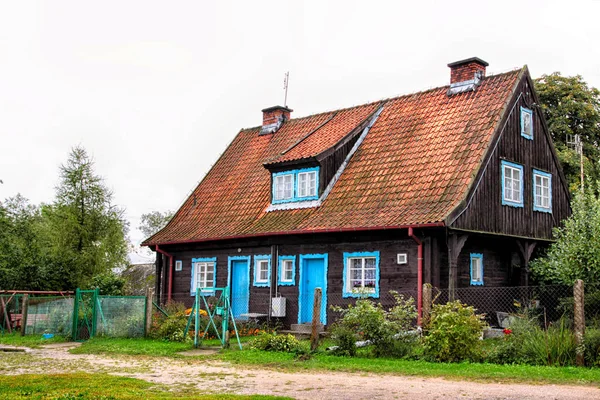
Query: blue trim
pixel 480 257
pixel 261 257
pixel 295 197
pixel 325 258
pixel 193 284
pixel 509 202
pixel 280 272
pixel 530 112
pixel 549 176
pixel 345 292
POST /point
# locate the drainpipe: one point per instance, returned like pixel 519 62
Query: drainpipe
pixel 170 289
pixel 419 275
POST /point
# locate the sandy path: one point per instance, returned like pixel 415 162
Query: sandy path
pixel 219 377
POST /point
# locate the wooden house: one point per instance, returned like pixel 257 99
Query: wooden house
pixel 456 186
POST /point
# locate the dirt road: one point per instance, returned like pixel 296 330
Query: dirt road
pixel 219 377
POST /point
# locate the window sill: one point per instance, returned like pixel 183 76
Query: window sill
pixel 512 204
pixel 286 283
pixel 361 293
pixel 294 205
pixel 260 284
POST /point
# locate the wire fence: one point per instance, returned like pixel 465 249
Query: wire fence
pixel 88 313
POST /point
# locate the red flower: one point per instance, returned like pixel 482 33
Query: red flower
pixel 507 331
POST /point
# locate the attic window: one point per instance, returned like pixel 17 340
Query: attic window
pixel 527 123
pixel 296 185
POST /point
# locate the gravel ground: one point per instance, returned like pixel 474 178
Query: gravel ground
pixel 219 377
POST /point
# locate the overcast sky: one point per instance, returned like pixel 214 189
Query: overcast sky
pixel 155 91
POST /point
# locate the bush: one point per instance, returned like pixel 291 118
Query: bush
pixel 528 343
pixel 273 342
pixel 384 330
pixel 453 333
pixel 592 347
pixel 170 327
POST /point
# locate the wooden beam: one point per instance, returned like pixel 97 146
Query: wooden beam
pixel 526 248
pixel 455 244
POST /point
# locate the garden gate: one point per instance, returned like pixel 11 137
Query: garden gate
pixel 84 318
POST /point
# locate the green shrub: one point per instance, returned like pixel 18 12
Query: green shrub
pixel 592 347
pixel 273 342
pixel 453 333
pixel 170 327
pixel 384 330
pixel 528 343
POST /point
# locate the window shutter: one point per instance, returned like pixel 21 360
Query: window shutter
pixel 193 282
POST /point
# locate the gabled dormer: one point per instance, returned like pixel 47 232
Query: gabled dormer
pixel 304 173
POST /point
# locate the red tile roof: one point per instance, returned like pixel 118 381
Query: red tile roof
pixel 414 167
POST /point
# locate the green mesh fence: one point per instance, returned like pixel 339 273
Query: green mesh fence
pixel 50 315
pixel 121 316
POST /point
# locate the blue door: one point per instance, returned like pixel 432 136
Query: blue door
pixel 313 274
pixel 240 285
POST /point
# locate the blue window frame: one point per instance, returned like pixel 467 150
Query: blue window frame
pixel 262 270
pixel 512 184
pixel 286 271
pixel 476 269
pixel 204 274
pixel 361 274
pixel 295 185
pixel 527 123
pixel 542 191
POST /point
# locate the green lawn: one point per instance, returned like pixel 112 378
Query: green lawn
pixel 96 386
pixel 33 341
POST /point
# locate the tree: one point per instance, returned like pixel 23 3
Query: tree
pixel 571 108
pixel 576 252
pixel 87 231
pixel 154 221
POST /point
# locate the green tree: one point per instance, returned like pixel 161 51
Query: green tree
pixel 576 252
pixel 87 231
pixel 571 108
pixel 154 221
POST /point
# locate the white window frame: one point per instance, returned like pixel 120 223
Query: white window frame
pixel 509 182
pixel 202 270
pixel 350 288
pixel 476 267
pixel 281 187
pixel 307 184
pixel 546 178
pixel 262 263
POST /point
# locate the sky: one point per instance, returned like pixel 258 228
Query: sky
pixel 156 90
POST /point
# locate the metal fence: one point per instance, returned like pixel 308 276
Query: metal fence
pixel 550 303
pixel 80 316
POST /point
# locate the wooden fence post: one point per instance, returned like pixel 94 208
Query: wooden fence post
pixel 149 306
pixel 24 309
pixel 316 320
pixel 427 300
pixel 579 320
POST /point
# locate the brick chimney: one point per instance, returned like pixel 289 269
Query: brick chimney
pixel 466 75
pixel 273 119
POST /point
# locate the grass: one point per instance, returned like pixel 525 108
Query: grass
pixel 146 347
pixel 33 341
pixel 83 386
pixel 470 371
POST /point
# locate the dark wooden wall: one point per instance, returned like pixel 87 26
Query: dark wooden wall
pixel 485 213
pixel 332 162
pixel 402 278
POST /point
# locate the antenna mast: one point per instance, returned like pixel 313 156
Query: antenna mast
pixel 286 80
pixel 577 145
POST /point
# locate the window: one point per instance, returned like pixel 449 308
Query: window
pixel 542 191
pixel 287 271
pixel 295 185
pixel 178 265
pixel 527 123
pixel 284 187
pixel 307 184
pixel 476 269
pixel 262 270
pixel 204 273
pixel 512 184
pixel 361 274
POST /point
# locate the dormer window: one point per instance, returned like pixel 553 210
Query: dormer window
pixel 296 185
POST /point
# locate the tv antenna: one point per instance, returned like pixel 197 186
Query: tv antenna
pixel 574 142
pixel 286 80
